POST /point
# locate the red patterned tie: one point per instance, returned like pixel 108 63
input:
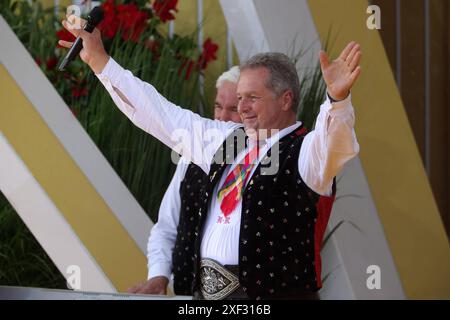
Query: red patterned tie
pixel 231 192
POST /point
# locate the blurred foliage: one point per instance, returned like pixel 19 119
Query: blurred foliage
pixel 23 262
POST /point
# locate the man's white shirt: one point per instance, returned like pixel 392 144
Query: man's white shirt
pixel 323 153
pixel 164 233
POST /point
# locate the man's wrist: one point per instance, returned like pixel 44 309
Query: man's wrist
pixel 159 269
pixel 99 63
pixel 337 98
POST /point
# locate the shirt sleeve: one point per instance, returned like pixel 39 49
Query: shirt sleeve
pixel 329 146
pixel 187 133
pixel 164 232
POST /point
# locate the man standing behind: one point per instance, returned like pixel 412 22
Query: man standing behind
pixel 171 242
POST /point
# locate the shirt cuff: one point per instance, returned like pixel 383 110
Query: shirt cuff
pixel 339 107
pixel 111 72
pixel 159 269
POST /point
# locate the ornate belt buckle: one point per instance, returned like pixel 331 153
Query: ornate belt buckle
pixel 216 282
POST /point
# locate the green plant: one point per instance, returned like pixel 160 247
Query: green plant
pixel 23 262
pixel 312 95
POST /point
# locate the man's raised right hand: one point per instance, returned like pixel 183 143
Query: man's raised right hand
pixel 93 52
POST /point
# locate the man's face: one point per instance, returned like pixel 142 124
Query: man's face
pixel 258 106
pixel 225 106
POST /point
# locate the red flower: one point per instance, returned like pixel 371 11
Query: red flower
pixel 152 45
pixel 65 35
pixel 124 17
pixel 79 92
pixel 164 9
pixel 51 63
pixel 109 6
pixel 209 53
pixel 132 22
pixel 110 23
pixel 38 61
pixel 189 69
pixel 189 65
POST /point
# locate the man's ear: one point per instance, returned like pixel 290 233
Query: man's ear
pixel 287 99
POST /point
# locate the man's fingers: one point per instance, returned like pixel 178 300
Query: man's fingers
pixel 356 48
pixel 134 289
pixel 131 290
pixel 347 50
pixel 73 29
pixel 354 75
pixel 323 57
pixel 355 60
pixel 138 290
pixel 145 290
pixel 75 21
pixel 65 44
pixel 96 33
pixel 158 291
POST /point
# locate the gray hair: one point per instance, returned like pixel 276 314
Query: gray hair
pixel 231 75
pixel 282 74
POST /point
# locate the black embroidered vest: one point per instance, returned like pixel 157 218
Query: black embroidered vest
pixel 183 252
pixel 282 225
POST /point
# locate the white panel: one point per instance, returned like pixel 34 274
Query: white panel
pixel 245 27
pixel 336 283
pixel 25 293
pixel 365 244
pixel 291 30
